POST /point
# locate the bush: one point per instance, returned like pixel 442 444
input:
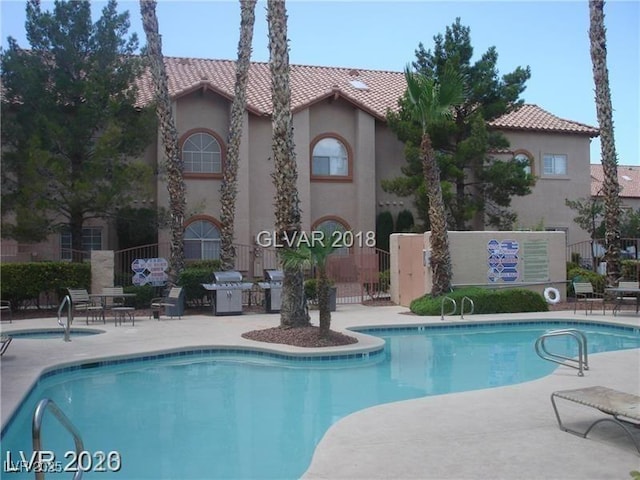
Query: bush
pixel 23 283
pixel 630 269
pixel 191 280
pixel 211 265
pixel 144 294
pixel 311 290
pixel 404 222
pixel 507 300
pixel 582 274
pixel 384 228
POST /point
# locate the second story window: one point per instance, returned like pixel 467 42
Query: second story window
pixel 330 160
pixel 526 160
pixel 202 153
pixel 554 164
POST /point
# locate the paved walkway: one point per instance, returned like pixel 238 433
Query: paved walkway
pixel 500 433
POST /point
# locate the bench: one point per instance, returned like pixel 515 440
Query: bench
pixel 623 408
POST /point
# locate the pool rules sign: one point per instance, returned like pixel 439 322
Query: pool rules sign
pixel 150 271
pixel 502 258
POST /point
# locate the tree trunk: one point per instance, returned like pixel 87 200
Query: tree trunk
pixel 323 301
pixel 229 187
pixel 611 187
pixel 174 164
pixel 285 175
pixel 440 256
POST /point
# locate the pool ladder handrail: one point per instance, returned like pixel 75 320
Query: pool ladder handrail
pixel 462 306
pixel 67 328
pixel 455 306
pixel 581 364
pixel 36 430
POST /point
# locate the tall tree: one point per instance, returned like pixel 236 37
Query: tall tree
pixel 229 187
pixel 169 133
pixel 610 185
pixel 70 122
pixel 432 104
pixel 285 175
pixel 477 187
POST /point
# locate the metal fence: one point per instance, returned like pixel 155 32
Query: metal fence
pixel 589 254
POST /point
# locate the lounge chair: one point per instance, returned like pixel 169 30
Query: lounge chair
pixel 5 306
pixel 82 302
pixel 585 294
pixel 171 301
pixel 623 408
pixel 5 340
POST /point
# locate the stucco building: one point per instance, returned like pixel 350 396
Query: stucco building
pixel 343 150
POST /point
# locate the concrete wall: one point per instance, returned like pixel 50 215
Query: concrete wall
pixel 533 260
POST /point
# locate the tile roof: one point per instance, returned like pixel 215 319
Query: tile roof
pixel 371 90
pixel 374 91
pixel 533 118
pixel 628 178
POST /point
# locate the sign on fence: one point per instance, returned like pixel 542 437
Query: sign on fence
pixel 150 271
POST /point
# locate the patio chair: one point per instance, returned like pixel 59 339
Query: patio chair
pixel 633 299
pixel 82 302
pixel 171 303
pixel 5 340
pixel 585 293
pixel 117 305
pixel 5 306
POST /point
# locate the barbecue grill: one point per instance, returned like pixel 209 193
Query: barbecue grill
pixel 226 292
pixel 272 290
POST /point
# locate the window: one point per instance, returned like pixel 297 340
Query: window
pixel 202 153
pixel 554 164
pixel 202 241
pixel 331 226
pixel 91 240
pixel 526 160
pixel 330 158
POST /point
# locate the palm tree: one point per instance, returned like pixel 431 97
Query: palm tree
pixel 285 175
pixel 174 165
pixel 610 185
pixel 314 254
pixel 432 101
pixel 229 187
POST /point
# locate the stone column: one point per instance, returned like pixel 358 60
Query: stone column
pixel 102 267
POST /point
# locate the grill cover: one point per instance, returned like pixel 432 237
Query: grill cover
pixel 273 275
pixel 227 277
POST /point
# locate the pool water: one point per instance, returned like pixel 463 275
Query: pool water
pixel 51 334
pixel 250 417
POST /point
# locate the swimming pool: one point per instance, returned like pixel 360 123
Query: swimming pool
pixel 56 334
pixel 230 415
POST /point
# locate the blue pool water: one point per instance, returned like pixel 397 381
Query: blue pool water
pixel 231 415
pixel 51 334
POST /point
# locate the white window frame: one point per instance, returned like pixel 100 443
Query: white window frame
pixel 209 245
pixel 91 240
pixel 202 154
pixel 555 164
pixel 337 165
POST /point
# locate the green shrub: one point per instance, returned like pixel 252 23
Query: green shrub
pixel 144 294
pixel 210 265
pixel 582 274
pixel 507 300
pixel 404 222
pixel 311 290
pixel 384 228
pixel 630 269
pixel 191 280
pixel 24 283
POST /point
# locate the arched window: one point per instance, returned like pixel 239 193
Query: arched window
pixel 202 153
pixel 334 229
pixel 330 159
pixel 202 241
pixel 526 159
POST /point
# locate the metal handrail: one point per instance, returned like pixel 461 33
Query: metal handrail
pixel 462 306
pixel 455 307
pixel 67 328
pixel 36 429
pixel 582 363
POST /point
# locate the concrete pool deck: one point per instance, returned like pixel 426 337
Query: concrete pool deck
pixel 499 433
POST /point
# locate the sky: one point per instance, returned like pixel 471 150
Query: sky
pixel 551 37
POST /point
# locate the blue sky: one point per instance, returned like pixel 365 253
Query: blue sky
pixel 549 36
